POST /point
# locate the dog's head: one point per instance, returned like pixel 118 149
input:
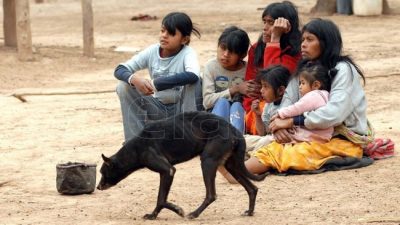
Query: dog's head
pixel 120 165
pixel 110 174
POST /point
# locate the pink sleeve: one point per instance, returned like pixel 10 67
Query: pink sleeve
pixel 308 102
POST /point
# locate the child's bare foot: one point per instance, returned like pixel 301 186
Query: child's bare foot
pixel 227 175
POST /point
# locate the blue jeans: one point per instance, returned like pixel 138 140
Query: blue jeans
pixel 138 109
pixel 231 112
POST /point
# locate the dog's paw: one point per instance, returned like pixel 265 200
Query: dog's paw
pixel 192 215
pixel 248 213
pixel 180 212
pixel 151 216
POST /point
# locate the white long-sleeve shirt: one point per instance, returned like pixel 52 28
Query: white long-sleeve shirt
pixel 347 103
pixel 185 61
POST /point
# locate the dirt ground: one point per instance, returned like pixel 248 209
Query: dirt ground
pixel 52 128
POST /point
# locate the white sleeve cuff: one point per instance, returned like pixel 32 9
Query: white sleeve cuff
pixel 152 85
pixel 129 80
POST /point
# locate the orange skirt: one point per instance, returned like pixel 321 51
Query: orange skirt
pixel 250 120
pixel 305 155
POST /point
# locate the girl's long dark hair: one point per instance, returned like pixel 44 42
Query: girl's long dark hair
pixel 287 10
pixel 235 40
pixel 275 75
pixel 180 21
pixel 315 71
pixel 330 41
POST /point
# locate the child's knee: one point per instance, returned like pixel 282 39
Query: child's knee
pixel 222 102
pixel 122 89
pixel 237 106
pixel 221 108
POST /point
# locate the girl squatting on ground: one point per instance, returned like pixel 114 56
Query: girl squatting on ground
pixel 174 84
pixel 223 77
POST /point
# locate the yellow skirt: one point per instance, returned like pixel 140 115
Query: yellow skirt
pixel 305 155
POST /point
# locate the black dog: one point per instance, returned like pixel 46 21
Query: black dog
pixel 177 139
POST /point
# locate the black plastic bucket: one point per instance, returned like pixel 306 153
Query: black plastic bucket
pixel 76 178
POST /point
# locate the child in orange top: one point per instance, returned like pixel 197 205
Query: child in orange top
pixel 273 83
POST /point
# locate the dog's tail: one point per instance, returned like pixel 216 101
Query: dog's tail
pixel 241 150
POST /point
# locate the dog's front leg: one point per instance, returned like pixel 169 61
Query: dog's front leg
pixel 167 171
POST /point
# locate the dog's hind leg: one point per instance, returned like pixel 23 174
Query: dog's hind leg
pixel 161 165
pixel 251 189
pixel 209 169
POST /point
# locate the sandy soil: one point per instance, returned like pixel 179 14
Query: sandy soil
pixel 49 129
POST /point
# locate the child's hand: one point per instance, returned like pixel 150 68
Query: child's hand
pixel 281 26
pixel 253 89
pixel 142 85
pixel 255 107
pixel 250 88
pixel 278 124
pixel 247 88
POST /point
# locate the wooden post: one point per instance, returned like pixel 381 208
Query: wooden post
pixel 87 22
pixel 24 37
pixel 324 7
pixel 9 23
pixel 385 7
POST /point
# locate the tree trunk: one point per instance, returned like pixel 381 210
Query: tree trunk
pixel 324 7
pixel 385 8
pixel 24 37
pixel 87 23
pixel 9 23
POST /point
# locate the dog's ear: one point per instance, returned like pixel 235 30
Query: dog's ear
pixel 106 160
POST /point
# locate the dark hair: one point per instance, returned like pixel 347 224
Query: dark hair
pixel 179 21
pixel 330 41
pixel 235 40
pixel 275 75
pixel 317 72
pixel 287 10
